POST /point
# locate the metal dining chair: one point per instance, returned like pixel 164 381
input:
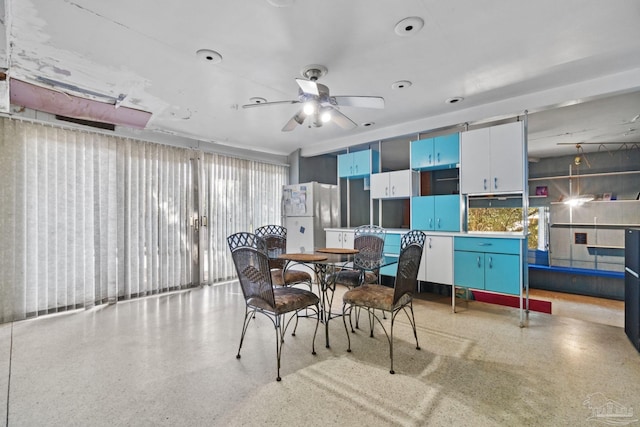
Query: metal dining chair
pixel 374 297
pixel 249 253
pixel 276 238
pixel 369 241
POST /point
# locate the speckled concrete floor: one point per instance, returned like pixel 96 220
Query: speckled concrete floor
pixel 170 360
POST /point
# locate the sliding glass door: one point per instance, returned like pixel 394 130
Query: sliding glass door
pixel 235 195
pixel 88 218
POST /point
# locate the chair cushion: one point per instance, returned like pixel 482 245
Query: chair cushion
pixel 351 278
pixel 290 299
pixel 291 277
pixel 374 296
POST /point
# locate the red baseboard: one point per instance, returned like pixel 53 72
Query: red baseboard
pixel 512 301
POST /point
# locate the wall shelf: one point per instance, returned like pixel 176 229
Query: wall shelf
pixel 592 224
pixel 584 175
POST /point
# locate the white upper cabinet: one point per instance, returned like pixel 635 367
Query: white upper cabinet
pixel 492 160
pixel 395 185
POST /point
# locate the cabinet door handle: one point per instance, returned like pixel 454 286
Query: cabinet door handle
pixel 490 262
pixel 439 223
pixel 430 222
pixel 350 170
pixel 485 183
pixel 430 159
pixel 340 237
pixel 479 265
pixel 356 168
pixel 438 157
pixel 393 190
pixel 429 242
pixel 495 182
pixel 386 191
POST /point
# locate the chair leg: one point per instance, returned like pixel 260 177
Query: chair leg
pixel 293 334
pixel 344 320
pixel 313 343
pixel 412 320
pixel 248 315
pixel 279 340
pixel 393 318
pixel 371 322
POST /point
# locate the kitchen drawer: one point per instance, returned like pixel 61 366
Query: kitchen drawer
pixel 487 244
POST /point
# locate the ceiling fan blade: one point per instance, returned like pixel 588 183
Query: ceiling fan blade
pixel 359 101
pixel 297 119
pixel 260 104
pixel 341 120
pixel 308 86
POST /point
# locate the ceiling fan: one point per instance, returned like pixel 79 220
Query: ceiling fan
pixel 317 103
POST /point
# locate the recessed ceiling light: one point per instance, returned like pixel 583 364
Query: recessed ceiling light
pixel 409 26
pixel 209 55
pixel 367 124
pixel 401 84
pixel 454 100
pixel 257 100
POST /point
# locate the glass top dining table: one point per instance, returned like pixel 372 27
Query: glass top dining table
pixel 326 261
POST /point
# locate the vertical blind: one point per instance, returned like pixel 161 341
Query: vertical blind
pixel 237 195
pixel 88 218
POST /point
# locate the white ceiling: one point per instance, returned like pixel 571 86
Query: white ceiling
pixel 502 57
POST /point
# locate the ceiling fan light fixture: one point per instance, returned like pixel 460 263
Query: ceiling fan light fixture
pixel 314 71
pixel 309 108
pixel 299 118
pixel 325 115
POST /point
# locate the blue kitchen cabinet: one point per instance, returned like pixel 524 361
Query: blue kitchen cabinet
pixel 441 152
pixel 492 264
pixel 391 248
pixel 502 273
pixel 359 164
pixel 468 269
pixel 436 213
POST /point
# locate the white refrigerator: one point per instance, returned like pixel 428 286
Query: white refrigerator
pixel 308 209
